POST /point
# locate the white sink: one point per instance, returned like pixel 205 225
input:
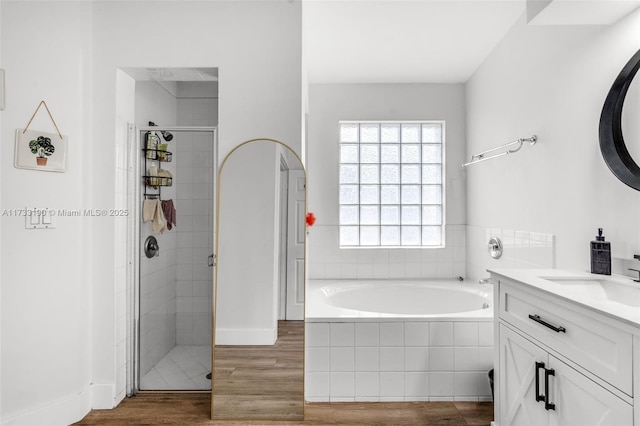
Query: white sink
pixel 601 288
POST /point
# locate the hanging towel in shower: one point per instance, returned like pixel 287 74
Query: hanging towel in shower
pixel 169 211
pixel 148 210
pixel 152 211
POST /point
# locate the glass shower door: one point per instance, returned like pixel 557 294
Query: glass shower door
pixel 175 282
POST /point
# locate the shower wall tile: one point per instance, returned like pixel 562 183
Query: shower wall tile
pixel 328 261
pixel 194 229
pixel 158 300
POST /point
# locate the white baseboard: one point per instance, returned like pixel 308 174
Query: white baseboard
pixel 102 396
pixel 64 411
pixel 246 336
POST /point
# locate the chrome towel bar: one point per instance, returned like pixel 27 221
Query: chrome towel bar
pixel 477 158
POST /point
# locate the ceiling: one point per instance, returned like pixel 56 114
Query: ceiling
pixel 411 41
pixel 426 41
pixel 402 41
pixel 172 74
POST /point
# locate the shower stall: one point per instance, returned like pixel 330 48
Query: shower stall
pixel 173 298
pixel 171 168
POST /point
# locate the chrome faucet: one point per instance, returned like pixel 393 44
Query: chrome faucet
pixel 485 281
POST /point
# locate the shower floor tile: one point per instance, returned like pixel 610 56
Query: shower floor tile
pixel 183 368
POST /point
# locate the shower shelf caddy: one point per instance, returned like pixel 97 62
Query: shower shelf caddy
pixel 156 182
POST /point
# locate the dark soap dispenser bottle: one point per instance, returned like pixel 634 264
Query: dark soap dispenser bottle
pixel 600 255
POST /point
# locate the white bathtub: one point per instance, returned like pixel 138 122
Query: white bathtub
pixel 400 299
pixel 374 340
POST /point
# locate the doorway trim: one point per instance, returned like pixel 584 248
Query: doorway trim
pixel 283 248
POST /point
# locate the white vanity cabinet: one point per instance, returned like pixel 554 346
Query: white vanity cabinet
pixel 559 363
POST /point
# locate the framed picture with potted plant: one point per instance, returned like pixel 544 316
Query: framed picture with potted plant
pixel 37 150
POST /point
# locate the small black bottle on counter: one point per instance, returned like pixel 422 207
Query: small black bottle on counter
pixel 600 255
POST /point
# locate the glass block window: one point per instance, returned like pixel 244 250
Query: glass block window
pixel 391 184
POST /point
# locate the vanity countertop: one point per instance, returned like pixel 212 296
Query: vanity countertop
pixel 616 296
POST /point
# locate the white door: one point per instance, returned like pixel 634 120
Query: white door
pixel 517 380
pixel 582 402
pixel 295 245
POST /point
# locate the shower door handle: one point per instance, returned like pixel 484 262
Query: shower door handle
pixel 212 260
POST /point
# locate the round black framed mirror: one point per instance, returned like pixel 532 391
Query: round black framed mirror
pixel 612 144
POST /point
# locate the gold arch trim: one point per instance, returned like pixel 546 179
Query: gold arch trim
pixel 216 251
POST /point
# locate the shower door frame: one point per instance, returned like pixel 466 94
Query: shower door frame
pixel 134 202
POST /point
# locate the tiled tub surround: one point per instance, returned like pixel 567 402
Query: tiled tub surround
pixel 328 261
pixel 465 255
pixel 433 358
pixel 414 360
pixel 521 250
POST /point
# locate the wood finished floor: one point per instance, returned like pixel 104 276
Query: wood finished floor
pixel 194 409
pixel 261 381
pixel 267 378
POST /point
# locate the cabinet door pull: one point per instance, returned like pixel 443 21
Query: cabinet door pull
pixel 539 397
pixel 537 319
pixel 548 405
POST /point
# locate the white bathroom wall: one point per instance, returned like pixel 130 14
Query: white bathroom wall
pixel 156 101
pixel 158 292
pixel 46 333
pixel 197 106
pixel 72 312
pixel 126 192
pixel 551 81
pixel 197 34
pixel 328 104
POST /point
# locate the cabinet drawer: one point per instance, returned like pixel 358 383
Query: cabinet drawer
pixel 573 333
